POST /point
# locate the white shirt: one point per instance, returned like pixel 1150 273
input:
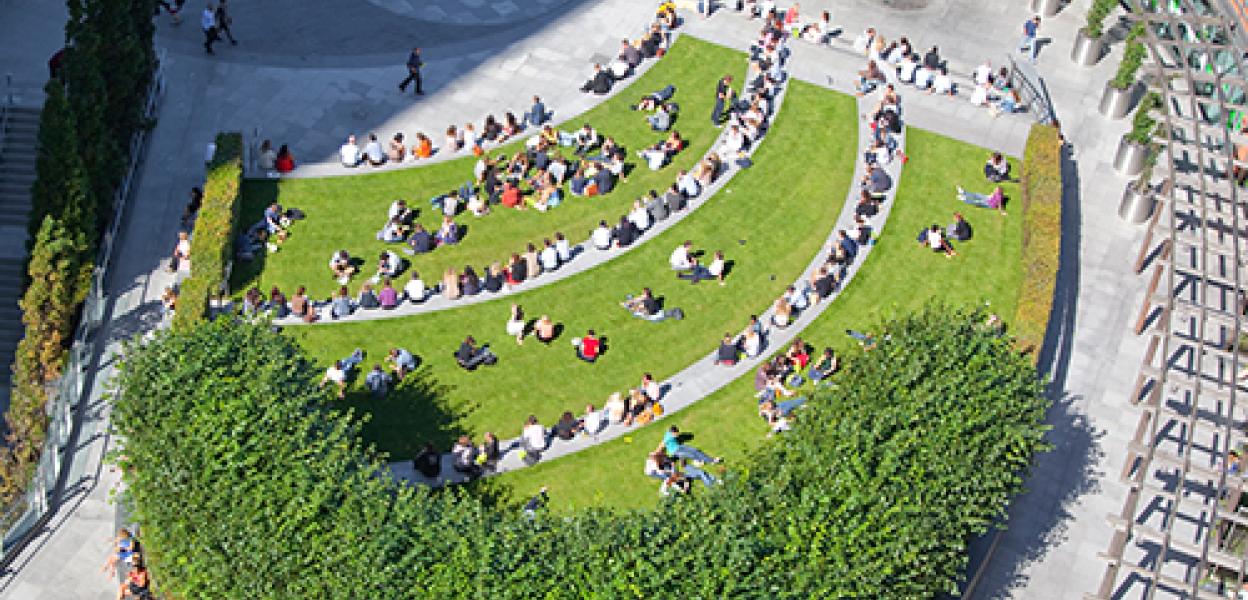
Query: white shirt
pixel 654 159
pixel 207 20
pixel 601 237
pixel 907 70
pixel 549 258
pixel 535 435
pixel 979 97
pixel 679 259
pixel 335 375
pixel 350 154
pixel 689 185
pixel 922 77
pixel 373 151
pixel 395 209
pixel 593 422
pixel 934 239
pixel 983 73
pixel 563 250
pixel 640 218
pixel 335 258
pixel 450 205
pixel 943 84
pixel 415 289
pixel 717 267
pixel 752 344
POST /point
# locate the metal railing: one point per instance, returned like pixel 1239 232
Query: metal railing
pixel 1032 93
pixel 19 520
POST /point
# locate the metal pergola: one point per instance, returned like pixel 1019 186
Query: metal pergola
pixel 1181 531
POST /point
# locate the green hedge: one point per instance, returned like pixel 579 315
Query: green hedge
pixel 247 485
pixel 1042 233
pixel 212 240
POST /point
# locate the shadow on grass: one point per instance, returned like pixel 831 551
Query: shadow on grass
pixel 414 412
pixel 256 195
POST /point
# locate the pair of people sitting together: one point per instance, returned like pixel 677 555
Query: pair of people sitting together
pixel 684 259
pixel 646 306
pixel 658 155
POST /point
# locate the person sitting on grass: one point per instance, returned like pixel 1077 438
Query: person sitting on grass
pixel 644 306
pixel 470 356
pixel 401 362
pixel 338 372
pixel 932 238
pixel 388 265
pixel 777 414
pixel 341 265
pixel 516 325
pixel 677 450
pixel 341 306
pixel 589 347
pixel 682 257
pixel 567 427
pixel 824 367
pixel 420 241
pixel 728 352
pixel 448 233
pixel 658 465
pixel 995 200
pixel 997 169
pixel 959 229
pixel 544 330
pixel 377 382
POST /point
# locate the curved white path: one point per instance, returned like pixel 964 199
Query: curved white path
pixel 705 377
pixel 584 255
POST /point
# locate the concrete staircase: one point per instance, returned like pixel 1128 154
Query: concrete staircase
pixel 17 172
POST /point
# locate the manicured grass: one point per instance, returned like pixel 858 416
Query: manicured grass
pixel 899 276
pixel 346 212
pixel 770 220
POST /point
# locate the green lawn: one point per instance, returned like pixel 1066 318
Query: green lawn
pixel 770 221
pixel 346 212
pixel 898 276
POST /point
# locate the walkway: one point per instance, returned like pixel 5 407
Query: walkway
pixel 705 376
pixel 315 78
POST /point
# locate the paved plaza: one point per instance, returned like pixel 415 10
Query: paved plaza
pixel 310 73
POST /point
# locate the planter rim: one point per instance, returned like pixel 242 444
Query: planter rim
pixel 1084 32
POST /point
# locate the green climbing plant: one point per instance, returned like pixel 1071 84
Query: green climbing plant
pixel 1132 59
pixel 1097 13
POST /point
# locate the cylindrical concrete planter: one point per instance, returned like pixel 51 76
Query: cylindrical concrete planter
pixel 1087 51
pixel 1129 160
pixel 1137 204
pixel 1116 103
pixel 1047 8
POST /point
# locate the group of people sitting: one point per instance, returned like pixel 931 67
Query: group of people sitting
pixel 280 160
pixel 126 552
pixel 266 235
pixel 927 71
pixel 652 44
pixel 379 381
pixel 677 464
pixel 688 264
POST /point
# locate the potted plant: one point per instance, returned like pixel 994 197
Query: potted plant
pixel 1137 144
pixel 1116 101
pixel 1138 197
pixel 1088 45
pixel 1047 8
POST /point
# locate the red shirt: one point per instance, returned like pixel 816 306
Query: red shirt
pixel 511 197
pixel 589 347
pixel 284 164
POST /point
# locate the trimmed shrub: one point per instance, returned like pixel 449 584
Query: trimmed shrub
pixel 1132 59
pixel 248 485
pixel 1042 234
pixel 1143 125
pixel 212 240
pixel 1097 13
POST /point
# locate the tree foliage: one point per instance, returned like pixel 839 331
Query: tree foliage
pixel 248 486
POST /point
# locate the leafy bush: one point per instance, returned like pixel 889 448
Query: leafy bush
pixel 212 240
pixel 1097 13
pixel 1042 233
pixel 1132 59
pixel 247 485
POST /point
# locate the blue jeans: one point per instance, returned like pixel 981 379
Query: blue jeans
pixel 691 453
pixel 352 361
pixel 980 200
pixel 1027 45
pixel 787 406
pixel 693 472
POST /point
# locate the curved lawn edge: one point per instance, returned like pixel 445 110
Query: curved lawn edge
pixel 694 65
pixel 584 255
pixel 704 377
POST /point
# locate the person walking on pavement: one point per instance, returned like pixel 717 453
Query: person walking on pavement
pixel 224 21
pixel 413 72
pixel 208 22
pixel 1027 45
